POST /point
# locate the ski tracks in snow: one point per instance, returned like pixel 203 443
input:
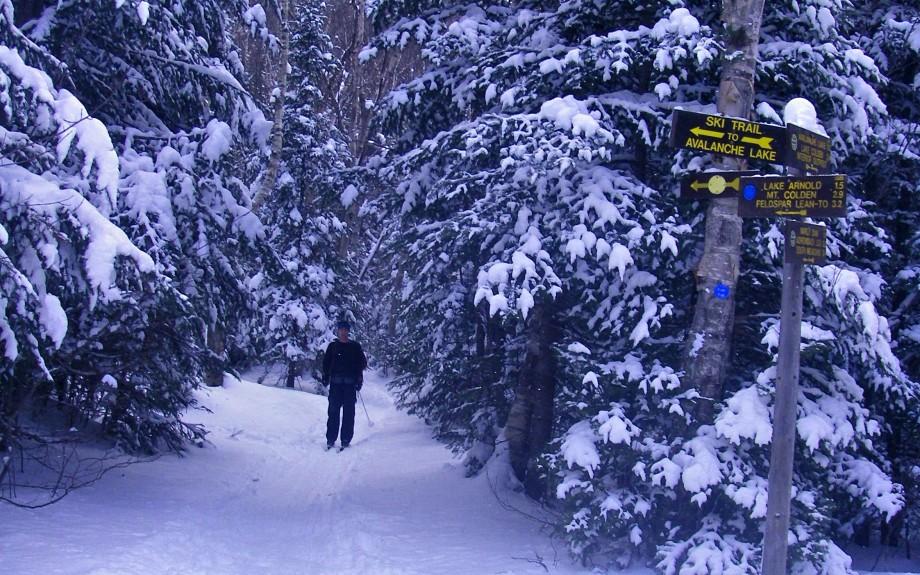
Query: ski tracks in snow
pixel 265 497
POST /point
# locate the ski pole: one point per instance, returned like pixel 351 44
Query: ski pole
pixel 369 422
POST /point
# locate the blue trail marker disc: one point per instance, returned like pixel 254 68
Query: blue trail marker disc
pixel 749 192
pixel 721 291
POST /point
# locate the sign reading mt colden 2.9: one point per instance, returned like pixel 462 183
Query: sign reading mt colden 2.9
pixel 728 136
pixel 803 196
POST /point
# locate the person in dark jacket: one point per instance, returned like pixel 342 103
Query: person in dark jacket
pixel 343 371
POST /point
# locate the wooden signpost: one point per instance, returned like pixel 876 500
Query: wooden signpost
pixel 793 196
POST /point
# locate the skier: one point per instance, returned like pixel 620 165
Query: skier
pixel 343 371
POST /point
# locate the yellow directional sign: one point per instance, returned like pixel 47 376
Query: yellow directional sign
pixel 713 185
pixel 728 136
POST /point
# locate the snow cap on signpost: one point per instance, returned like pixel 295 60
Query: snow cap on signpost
pixel 801 112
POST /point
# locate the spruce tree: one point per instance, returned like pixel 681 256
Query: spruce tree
pixel 89 323
pixel 542 252
pixel 309 281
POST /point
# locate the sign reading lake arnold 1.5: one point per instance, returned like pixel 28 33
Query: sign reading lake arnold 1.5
pixel 728 136
pixel 814 196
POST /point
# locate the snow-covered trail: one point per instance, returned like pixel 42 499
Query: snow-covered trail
pixel 267 498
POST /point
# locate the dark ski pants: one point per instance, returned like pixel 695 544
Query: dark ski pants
pixel 342 398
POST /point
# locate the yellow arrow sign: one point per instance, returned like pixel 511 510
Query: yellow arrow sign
pixel 765 142
pixel 792 213
pixel 699 132
pixel 717 184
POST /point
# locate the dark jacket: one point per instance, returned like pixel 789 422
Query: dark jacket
pixel 344 364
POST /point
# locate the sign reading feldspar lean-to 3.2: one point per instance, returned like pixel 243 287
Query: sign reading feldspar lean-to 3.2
pixel 728 136
pixel 802 196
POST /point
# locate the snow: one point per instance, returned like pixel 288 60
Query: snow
pixel 367 54
pixel 577 347
pixel 801 112
pixel 349 195
pixel 218 141
pixel 93 140
pixel 143 11
pixel 263 496
pixel 619 258
pixel 746 417
pixel 701 469
pixel 53 319
pixel 32 78
pixel 106 242
pixel 579 449
pixel 569 113
pixel 679 22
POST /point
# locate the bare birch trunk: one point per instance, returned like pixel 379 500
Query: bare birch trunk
pixel 713 317
pixel 530 420
pixel 274 160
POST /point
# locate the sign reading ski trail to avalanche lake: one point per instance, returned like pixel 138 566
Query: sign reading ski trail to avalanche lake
pixel 805 196
pixel 713 185
pixel 805 243
pixel 728 136
pixel 807 151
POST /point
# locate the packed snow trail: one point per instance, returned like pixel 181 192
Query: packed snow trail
pixel 266 497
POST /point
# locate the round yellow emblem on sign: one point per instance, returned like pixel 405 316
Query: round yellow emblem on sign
pixel 716 185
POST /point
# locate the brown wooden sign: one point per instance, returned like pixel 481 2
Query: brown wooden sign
pixel 806 150
pixel 776 196
pixel 713 185
pixel 728 136
pixel 805 243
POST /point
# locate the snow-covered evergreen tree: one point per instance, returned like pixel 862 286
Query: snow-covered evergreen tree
pixel 163 77
pixel 310 282
pixel 543 252
pixel 88 321
pixel 891 36
pixel 536 203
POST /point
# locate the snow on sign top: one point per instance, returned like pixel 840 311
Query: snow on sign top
pixel 809 148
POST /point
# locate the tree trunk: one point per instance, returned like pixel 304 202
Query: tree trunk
pixel 530 420
pixel 214 373
pixel 274 161
pixel 713 317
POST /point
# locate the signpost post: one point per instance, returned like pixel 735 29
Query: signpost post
pixel 794 196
